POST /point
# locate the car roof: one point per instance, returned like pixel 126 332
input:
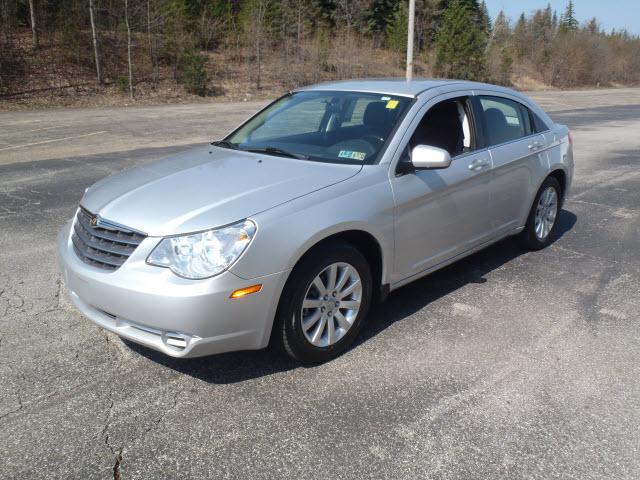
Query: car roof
pixel 399 86
pixel 419 86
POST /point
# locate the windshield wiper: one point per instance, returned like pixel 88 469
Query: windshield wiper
pixel 278 151
pixel 225 144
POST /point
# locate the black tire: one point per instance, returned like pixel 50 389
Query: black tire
pixel 288 331
pixel 528 237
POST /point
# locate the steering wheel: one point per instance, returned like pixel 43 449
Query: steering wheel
pixel 374 139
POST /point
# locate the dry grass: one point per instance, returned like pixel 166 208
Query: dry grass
pixel 528 83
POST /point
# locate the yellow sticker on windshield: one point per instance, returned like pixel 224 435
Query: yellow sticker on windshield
pixel 391 104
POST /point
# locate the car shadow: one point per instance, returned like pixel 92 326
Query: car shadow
pixel 402 303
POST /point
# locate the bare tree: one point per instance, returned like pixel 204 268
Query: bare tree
pixel 300 9
pixel 258 15
pixel 95 41
pixel 149 30
pixel 352 11
pixel 129 45
pixel 150 37
pixel 34 29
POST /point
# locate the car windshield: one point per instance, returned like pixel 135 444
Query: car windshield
pixel 337 127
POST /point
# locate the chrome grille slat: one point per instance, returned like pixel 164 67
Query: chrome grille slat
pixel 111 247
pixel 107 248
pixel 120 236
pixel 95 257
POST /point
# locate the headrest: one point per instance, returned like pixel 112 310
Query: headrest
pixel 495 118
pixel 375 114
pixel 447 114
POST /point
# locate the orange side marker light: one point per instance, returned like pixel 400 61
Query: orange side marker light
pixel 243 292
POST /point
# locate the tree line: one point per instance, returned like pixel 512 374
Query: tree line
pixel 136 44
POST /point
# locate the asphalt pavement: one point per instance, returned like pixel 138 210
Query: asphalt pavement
pixel 505 365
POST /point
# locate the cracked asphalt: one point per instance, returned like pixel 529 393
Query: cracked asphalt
pixel 504 365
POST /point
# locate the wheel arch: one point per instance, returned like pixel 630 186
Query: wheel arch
pixel 364 240
pixel 561 176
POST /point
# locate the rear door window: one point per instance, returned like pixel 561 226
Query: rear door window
pixel 504 120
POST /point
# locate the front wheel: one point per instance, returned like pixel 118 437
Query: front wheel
pixel 324 303
pixel 543 216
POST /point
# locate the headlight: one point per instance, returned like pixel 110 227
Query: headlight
pixel 204 254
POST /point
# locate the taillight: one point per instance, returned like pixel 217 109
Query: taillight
pixel 570 138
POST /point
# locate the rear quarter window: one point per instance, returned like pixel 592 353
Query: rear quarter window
pixel 538 124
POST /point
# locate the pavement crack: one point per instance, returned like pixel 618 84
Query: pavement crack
pixel 162 416
pixel 107 425
pixel 58 294
pixel 117 475
pixel 15 410
pixel 11 300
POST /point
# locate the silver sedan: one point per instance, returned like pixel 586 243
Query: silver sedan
pixel 286 231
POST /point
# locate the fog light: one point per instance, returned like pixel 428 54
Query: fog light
pixel 246 291
pixel 174 339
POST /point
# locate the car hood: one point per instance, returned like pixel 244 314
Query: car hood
pixel 206 187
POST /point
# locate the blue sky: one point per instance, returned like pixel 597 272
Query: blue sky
pixel 611 14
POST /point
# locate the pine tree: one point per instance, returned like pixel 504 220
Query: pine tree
pixel 396 32
pixel 506 65
pixel 460 44
pixel 568 22
pixel 484 20
pixel 380 14
pixel 542 32
pixel 472 5
pixel 326 10
pixel 499 54
pixel 520 36
pixel 501 29
pixel 548 11
pixel 541 25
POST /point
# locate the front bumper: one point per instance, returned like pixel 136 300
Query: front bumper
pixel 156 308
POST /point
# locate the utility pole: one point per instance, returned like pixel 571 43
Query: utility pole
pixel 95 41
pixel 34 28
pixel 126 22
pixel 412 16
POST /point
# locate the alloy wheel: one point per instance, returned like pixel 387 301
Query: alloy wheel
pixel 331 304
pixel 546 213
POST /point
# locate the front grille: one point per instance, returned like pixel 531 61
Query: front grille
pixel 103 245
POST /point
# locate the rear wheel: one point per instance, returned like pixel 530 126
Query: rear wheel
pixel 543 216
pixel 324 303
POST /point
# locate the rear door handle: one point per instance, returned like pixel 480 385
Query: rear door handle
pixel 534 146
pixel 478 164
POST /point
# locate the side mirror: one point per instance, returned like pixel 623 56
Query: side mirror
pixel 427 157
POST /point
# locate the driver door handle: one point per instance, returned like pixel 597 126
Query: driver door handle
pixel 534 146
pixel 478 164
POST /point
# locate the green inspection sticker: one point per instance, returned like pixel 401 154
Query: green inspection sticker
pixel 352 155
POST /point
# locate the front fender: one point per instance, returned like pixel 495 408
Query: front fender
pixel 287 232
